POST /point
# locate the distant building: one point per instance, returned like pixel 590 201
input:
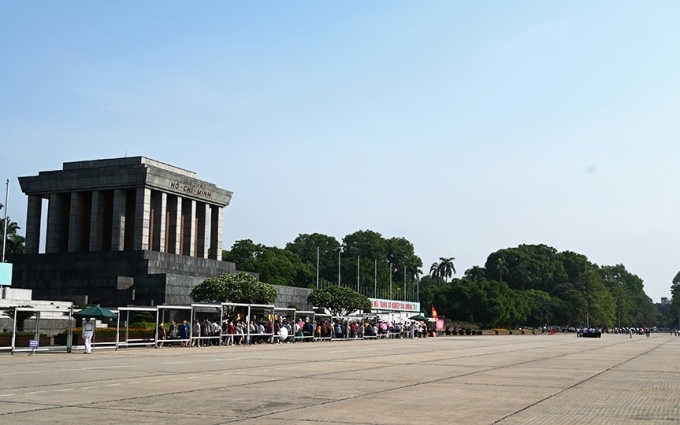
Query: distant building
pixel 665 301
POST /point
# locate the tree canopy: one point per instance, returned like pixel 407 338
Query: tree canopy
pixel 535 285
pixel 530 284
pixel 365 252
pixel 339 300
pixel 236 288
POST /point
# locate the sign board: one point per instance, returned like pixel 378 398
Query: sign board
pixel 5 273
pixel 384 305
pixel 33 343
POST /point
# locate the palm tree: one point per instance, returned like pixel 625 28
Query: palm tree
pixel 14 242
pixel 413 273
pixel 526 276
pixel 501 267
pixel 446 268
pixel 434 270
pixel 476 273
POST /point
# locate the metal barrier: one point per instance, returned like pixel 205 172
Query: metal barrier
pixel 34 344
pixel 267 323
pixel 132 342
pixel 177 335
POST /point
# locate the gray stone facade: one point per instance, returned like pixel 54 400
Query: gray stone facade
pixel 292 296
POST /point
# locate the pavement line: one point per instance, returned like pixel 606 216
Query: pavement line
pixel 6 395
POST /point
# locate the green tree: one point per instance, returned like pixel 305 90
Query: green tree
pixel 245 254
pixel 446 268
pixel 274 265
pixel 540 262
pixel 306 245
pixel 283 267
pixel 14 243
pixel 236 288
pixel 598 305
pixel 339 300
pixel 501 268
pixel 475 273
pixel 675 297
pixel 434 271
pixel 633 307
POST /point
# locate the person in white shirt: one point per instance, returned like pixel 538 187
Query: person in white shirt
pixel 88 332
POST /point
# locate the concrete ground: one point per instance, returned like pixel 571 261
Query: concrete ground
pixel 525 379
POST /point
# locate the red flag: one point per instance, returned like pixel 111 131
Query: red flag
pixel 434 313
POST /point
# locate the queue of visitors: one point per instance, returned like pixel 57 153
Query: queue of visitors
pixel 240 331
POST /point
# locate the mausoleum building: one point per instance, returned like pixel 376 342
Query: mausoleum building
pixel 120 231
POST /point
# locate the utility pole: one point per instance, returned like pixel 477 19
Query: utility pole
pixel 317 267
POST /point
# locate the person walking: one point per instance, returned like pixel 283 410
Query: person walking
pixel 88 332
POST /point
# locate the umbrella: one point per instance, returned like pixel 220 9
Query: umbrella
pixel 418 317
pixel 96 313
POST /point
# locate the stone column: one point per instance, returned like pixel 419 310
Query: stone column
pixel 160 202
pixel 33 218
pixel 142 218
pixel 189 227
pixel 216 221
pixel 54 219
pixel 173 225
pixel 97 222
pixel 202 229
pixel 118 224
pixel 75 225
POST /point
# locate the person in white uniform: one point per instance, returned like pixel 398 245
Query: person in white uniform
pixel 88 331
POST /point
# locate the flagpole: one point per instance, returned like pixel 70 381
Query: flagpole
pixel 375 278
pixel 4 232
pixel 390 281
pixel 358 263
pixel 404 297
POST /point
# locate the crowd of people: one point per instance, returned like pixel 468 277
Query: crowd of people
pixel 238 331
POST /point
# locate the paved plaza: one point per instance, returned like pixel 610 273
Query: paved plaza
pixel 523 379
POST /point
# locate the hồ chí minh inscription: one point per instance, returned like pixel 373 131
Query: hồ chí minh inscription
pixel 192 189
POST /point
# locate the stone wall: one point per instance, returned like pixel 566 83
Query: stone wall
pixel 114 279
pixel 290 295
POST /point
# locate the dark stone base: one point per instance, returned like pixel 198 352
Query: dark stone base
pixel 114 279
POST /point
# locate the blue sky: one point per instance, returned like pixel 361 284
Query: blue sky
pixel 465 127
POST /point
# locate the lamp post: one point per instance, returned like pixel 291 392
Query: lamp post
pixel 339 253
